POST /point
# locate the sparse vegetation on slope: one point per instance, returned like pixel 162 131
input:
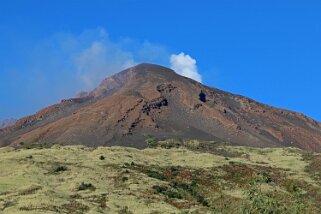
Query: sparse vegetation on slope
pixel 171 177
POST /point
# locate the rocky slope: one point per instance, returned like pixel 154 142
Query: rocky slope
pixel 7 122
pixel 152 100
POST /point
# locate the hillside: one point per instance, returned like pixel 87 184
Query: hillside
pixel 7 122
pixel 169 177
pixel 154 100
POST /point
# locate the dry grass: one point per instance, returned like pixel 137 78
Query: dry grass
pixel 188 177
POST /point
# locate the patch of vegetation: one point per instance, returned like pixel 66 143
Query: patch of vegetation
pixel 75 207
pixel 259 201
pixel 34 145
pixel 30 191
pixel 86 186
pixel 124 179
pixel 6 204
pixel 179 189
pixel 155 174
pixel 173 177
pixel 264 177
pixel 31 146
pixel 200 146
pixel 167 192
pixel 58 169
pixel 159 189
pixel 192 190
pixel 151 141
pixel 125 210
pixel 314 166
pixel 291 186
pixel 102 201
pixel 238 173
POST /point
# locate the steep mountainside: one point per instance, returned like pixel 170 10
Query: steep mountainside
pixel 154 100
pixel 7 122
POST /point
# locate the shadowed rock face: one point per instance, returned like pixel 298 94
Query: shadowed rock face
pixel 150 99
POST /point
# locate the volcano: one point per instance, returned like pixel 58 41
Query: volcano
pixel 149 99
pixel 7 122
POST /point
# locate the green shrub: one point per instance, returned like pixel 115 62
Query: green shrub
pixel 200 199
pixel 174 170
pixel 60 169
pixel 159 189
pixel 155 174
pixel 151 141
pixel 165 191
pixel 260 202
pixel 31 146
pixel 86 186
pixel 75 207
pixel 125 210
pixel 292 187
pixel 264 177
pixel 192 190
pixel 173 194
pixel 194 183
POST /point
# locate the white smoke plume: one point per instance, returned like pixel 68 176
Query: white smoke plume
pixel 185 65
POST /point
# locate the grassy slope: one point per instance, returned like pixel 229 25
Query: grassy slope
pixel 191 176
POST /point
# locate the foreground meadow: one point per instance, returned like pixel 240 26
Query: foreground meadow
pixel 168 177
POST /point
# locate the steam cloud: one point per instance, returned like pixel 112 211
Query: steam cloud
pixel 98 61
pixel 185 65
pixel 64 64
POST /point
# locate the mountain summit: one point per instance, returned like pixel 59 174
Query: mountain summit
pixel 149 99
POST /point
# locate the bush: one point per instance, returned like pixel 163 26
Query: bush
pixel 125 210
pixel 194 183
pixel 159 189
pixel 291 187
pixel 165 191
pixel 172 194
pixel 151 141
pixel 174 170
pixel 258 201
pixel 200 199
pixel 156 175
pixel 192 190
pixel 86 186
pixel 60 169
pixel 264 177
pixel 75 207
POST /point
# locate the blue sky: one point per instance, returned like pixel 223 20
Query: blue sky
pixel 267 50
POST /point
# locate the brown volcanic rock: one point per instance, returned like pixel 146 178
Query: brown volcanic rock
pixel 150 99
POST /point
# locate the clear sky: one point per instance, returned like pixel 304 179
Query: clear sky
pixel 267 50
